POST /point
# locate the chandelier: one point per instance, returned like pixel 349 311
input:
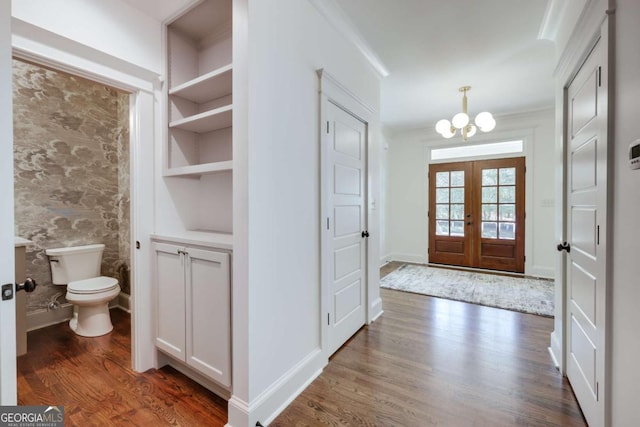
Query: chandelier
pixel 484 121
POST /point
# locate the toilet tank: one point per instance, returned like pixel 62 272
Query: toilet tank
pixel 75 263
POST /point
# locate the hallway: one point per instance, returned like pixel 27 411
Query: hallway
pixel 430 361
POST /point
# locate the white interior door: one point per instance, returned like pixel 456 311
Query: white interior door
pixel 586 233
pixel 346 162
pixel 8 394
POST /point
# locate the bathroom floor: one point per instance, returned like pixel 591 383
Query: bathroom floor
pixel 92 378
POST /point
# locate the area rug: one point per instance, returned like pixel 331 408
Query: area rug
pixel 524 294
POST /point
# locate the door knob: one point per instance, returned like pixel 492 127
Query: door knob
pixel 29 285
pixel 365 233
pixel 564 247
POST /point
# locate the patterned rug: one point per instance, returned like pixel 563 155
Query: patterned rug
pixel 524 294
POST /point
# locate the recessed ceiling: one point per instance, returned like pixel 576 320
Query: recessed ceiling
pixel 432 47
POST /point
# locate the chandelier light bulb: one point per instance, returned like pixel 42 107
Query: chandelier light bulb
pixel 471 130
pixel 449 133
pixel 483 119
pixel 460 120
pixel 489 126
pixel 443 126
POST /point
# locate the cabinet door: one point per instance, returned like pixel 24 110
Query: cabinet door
pixel 170 299
pixel 208 314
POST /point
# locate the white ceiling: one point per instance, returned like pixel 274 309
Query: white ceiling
pixel 432 47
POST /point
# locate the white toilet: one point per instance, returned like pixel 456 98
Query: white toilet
pixel 78 267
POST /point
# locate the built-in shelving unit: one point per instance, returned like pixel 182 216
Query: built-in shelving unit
pixel 208 121
pixel 198 160
pixel 212 85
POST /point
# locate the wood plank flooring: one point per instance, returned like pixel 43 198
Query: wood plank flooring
pixel 435 362
pixel 425 362
pixel 93 380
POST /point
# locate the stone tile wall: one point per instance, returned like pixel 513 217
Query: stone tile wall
pixel 71 151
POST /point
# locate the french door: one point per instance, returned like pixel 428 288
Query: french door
pixel 476 214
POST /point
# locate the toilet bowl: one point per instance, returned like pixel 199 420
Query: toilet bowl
pixel 92 297
pixel 78 267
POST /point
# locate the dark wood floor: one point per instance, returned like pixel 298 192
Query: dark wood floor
pixel 93 380
pixel 435 362
pixel 426 361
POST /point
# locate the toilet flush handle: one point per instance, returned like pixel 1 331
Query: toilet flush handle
pixel 29 285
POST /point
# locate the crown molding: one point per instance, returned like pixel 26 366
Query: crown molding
pixel 553 17
pixel 337 17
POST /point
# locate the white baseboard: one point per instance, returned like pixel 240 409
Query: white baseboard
pixel 164 359
pixel 123 302
pixel 541 272
pixel 555 350
pixel 413 258
pixel 268 405
pixel 42 317
pixel 376 310
pixel 385 259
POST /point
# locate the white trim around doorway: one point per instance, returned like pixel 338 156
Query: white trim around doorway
pixel 37 45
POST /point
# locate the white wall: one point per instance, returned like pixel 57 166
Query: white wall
pixel 288 41
pixel 112 27
pixel 625 378
pixel 407 188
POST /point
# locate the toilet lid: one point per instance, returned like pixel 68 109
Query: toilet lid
pixel 93 285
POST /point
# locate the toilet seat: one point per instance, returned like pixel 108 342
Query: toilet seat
pixel 93 285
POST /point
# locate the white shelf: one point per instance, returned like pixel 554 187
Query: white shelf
pixel 208 121
pixel 201 169
pixel 207 87
pixel 210 239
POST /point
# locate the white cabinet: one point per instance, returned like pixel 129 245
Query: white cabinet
pixel 193 308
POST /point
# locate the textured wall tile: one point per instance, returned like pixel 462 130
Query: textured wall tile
pixel 71 160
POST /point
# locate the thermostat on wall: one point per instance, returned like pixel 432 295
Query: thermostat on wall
pixel 634 154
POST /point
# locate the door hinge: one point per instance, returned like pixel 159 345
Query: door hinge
pixel 328 323
pixel 597 391
pixel 327 126
pixel 598 234
pixel 525 258
pixel 327 223
pixel 137 244
pixel 600 76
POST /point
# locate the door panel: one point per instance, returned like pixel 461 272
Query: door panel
pixel 209 318
pixel 169 277
pixel 476 214
pixel 346 200
pixel 499 197
pixel 450 201
pixel 586 164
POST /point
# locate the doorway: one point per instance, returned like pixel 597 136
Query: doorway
pixel 71 180
pixel 71 175
pixel 477 214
